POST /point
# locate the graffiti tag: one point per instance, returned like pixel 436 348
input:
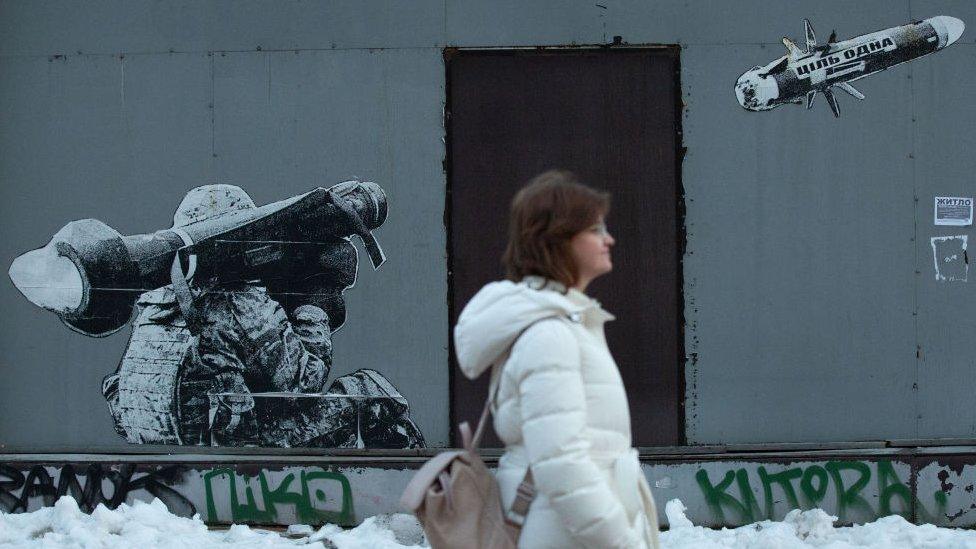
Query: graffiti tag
pixel 18 491
pixel 308 497
pixel 807 487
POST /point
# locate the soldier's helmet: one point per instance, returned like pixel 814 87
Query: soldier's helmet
pixel 210 201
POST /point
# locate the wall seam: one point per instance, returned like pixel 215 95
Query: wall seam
pixel 60 55
pixel 916 270
pixel 213 117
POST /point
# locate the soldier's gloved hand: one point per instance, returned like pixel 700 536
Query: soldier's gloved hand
pixel 312 325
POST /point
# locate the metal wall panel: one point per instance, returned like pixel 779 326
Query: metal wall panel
pixel 714 22
pixel 115 26
pixel 799 267
pixel 87 137
pixel 945 166
pixel 286 122
pixel 470 23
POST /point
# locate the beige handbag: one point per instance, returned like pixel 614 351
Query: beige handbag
pixel 457 501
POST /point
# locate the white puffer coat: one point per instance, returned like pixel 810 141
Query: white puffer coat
pixel 561 408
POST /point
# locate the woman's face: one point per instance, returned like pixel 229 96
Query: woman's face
pixel 591 252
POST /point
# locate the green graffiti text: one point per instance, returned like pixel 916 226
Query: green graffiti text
pixel 807 487
pixel 306 498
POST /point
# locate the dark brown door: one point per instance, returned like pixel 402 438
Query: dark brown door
pixel 612 117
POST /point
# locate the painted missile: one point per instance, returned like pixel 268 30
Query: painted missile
pixel 800 74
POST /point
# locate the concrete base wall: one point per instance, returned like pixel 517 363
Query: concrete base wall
pixel 719 487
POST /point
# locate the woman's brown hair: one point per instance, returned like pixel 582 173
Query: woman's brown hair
pixel 546 214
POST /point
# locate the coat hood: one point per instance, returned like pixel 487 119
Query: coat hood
pixel 496 316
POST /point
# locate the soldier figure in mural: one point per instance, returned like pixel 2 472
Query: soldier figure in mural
pixel 235 306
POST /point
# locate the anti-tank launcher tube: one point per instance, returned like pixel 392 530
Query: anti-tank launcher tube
pixel 90 275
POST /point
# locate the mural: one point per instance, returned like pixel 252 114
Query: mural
pixel 819 68
pixel 235 310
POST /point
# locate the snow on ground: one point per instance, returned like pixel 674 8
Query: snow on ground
pixel 150 526
pixel 814 528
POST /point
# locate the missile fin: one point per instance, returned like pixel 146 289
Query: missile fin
pixel 850 89
pixel 811 36
pixel 793 50
pixel 810 97
pixel 832 101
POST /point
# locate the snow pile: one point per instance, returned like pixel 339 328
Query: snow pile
pixel 150 526
pixel 384 531
pixel 675 511
pixel 140 525
pixel 807 529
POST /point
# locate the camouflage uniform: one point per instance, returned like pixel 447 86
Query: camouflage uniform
pixel 197 382
pixel 245 344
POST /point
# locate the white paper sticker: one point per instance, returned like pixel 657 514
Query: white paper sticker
pixel 953 210
pixel 951 258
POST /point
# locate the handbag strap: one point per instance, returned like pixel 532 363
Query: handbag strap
pixel 472 443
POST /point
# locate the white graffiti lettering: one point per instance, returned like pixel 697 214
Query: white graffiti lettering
pixel 884 44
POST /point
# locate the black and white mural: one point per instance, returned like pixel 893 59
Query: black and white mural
pixel 235 308
pixel 800 74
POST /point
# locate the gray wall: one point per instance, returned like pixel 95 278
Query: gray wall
pixel 812 308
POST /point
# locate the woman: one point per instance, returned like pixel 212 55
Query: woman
pixel 560 406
